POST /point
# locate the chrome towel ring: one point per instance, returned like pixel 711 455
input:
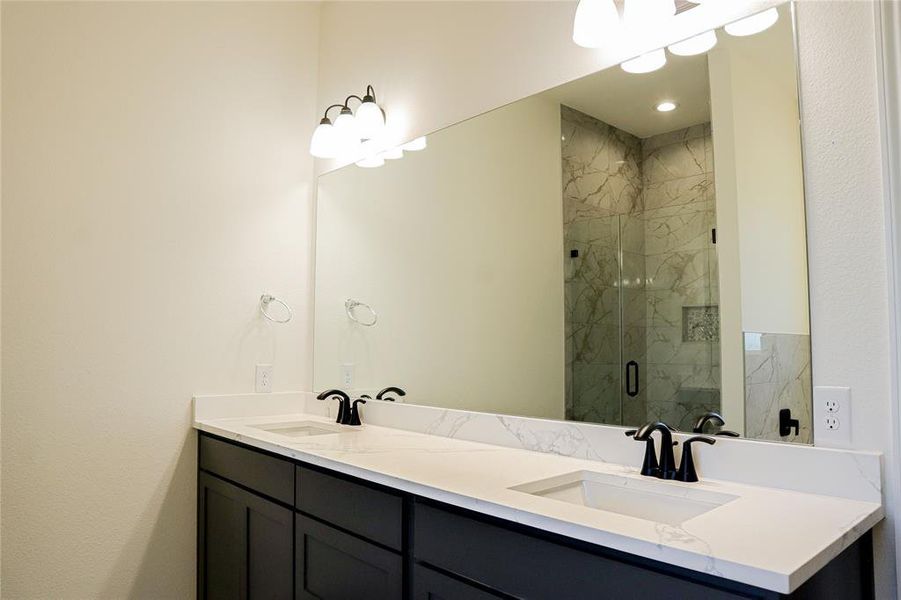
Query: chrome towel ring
pixel 350 304
pixel 266 300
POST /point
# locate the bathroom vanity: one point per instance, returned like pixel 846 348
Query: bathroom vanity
pixel 296 506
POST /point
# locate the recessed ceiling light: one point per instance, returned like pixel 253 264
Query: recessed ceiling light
pixel 666 106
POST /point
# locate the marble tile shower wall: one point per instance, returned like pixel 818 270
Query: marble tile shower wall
pixel 652 200
pixel 681 288
pixel 777 376
pixel 601 181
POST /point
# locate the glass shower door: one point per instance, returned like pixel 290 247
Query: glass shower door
pixel 594 354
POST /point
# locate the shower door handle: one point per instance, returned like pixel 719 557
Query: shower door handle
pixel 632 378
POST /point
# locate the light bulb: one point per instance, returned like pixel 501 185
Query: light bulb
pixel 666 106
pixel 699 44
pixel 646 62
pixel 370 119
pixel 393 153
pixel 753 24
pixel 415 145
pixel 595 21
pixel 324 143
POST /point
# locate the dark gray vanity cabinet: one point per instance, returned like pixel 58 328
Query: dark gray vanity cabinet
pixel 272 528
pixel 245 544
pixel 333 564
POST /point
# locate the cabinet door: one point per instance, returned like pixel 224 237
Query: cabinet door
pixel 333 565
pixel 245 544
pixel 432 585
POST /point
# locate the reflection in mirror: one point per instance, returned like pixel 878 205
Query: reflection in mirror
pixel 619 249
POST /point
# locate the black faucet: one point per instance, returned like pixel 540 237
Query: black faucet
pixel 666 468
pixel 686 470
pixel 344 409
pixel 715 418
pixel 389 390
pixel 354 418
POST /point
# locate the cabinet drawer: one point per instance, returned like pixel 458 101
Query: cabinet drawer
pixel 529 567
pixel 333 565
pixel 374 514
pixel 432 585
pixel 260 472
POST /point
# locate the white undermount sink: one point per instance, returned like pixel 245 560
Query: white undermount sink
pixel 298 428
pixel 650 499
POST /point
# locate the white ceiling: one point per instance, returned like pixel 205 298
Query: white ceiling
pixel 628 100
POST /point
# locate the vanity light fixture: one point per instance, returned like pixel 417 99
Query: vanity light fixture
pixel 370 118
pixel 753 24
pixel 698 44
pixel 343 138
pixel 325 143
pixel 595 21
pixel 393 153
pixel 415 145
pixel 667 106
pixel 371 162
pixel 646 62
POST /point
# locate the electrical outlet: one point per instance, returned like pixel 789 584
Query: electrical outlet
pixel 263 380
pixel 346 376
pixel 832 416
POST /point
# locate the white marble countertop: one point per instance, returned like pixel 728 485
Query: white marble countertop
pixel 769 538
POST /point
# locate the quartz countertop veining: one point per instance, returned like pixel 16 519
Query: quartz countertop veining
pixel 770 538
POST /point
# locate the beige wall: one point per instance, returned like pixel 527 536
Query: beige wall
pixel 468 222
pixel 846 232
pixel 156 181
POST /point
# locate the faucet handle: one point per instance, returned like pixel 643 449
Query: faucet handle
pixel 712 417
pixel 687 470
pixel 649 466
pixel 354 418
pixel 343 408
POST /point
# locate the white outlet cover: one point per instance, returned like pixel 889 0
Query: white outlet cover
pixel 832 416
pixel 262 383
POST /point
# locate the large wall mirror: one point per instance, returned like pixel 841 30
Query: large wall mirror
pixel 586 254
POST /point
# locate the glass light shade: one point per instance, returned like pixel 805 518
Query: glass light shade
pixel 646 62
pixel 393 153
pixel 324 143
pixel 699 44
pixel 348 135
pixel 415 145
pixel 753 24
pixel 595 21
pixel 370 120
pixel 371 162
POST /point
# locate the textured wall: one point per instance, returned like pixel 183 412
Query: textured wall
pixel 156 181
pixel 846 230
